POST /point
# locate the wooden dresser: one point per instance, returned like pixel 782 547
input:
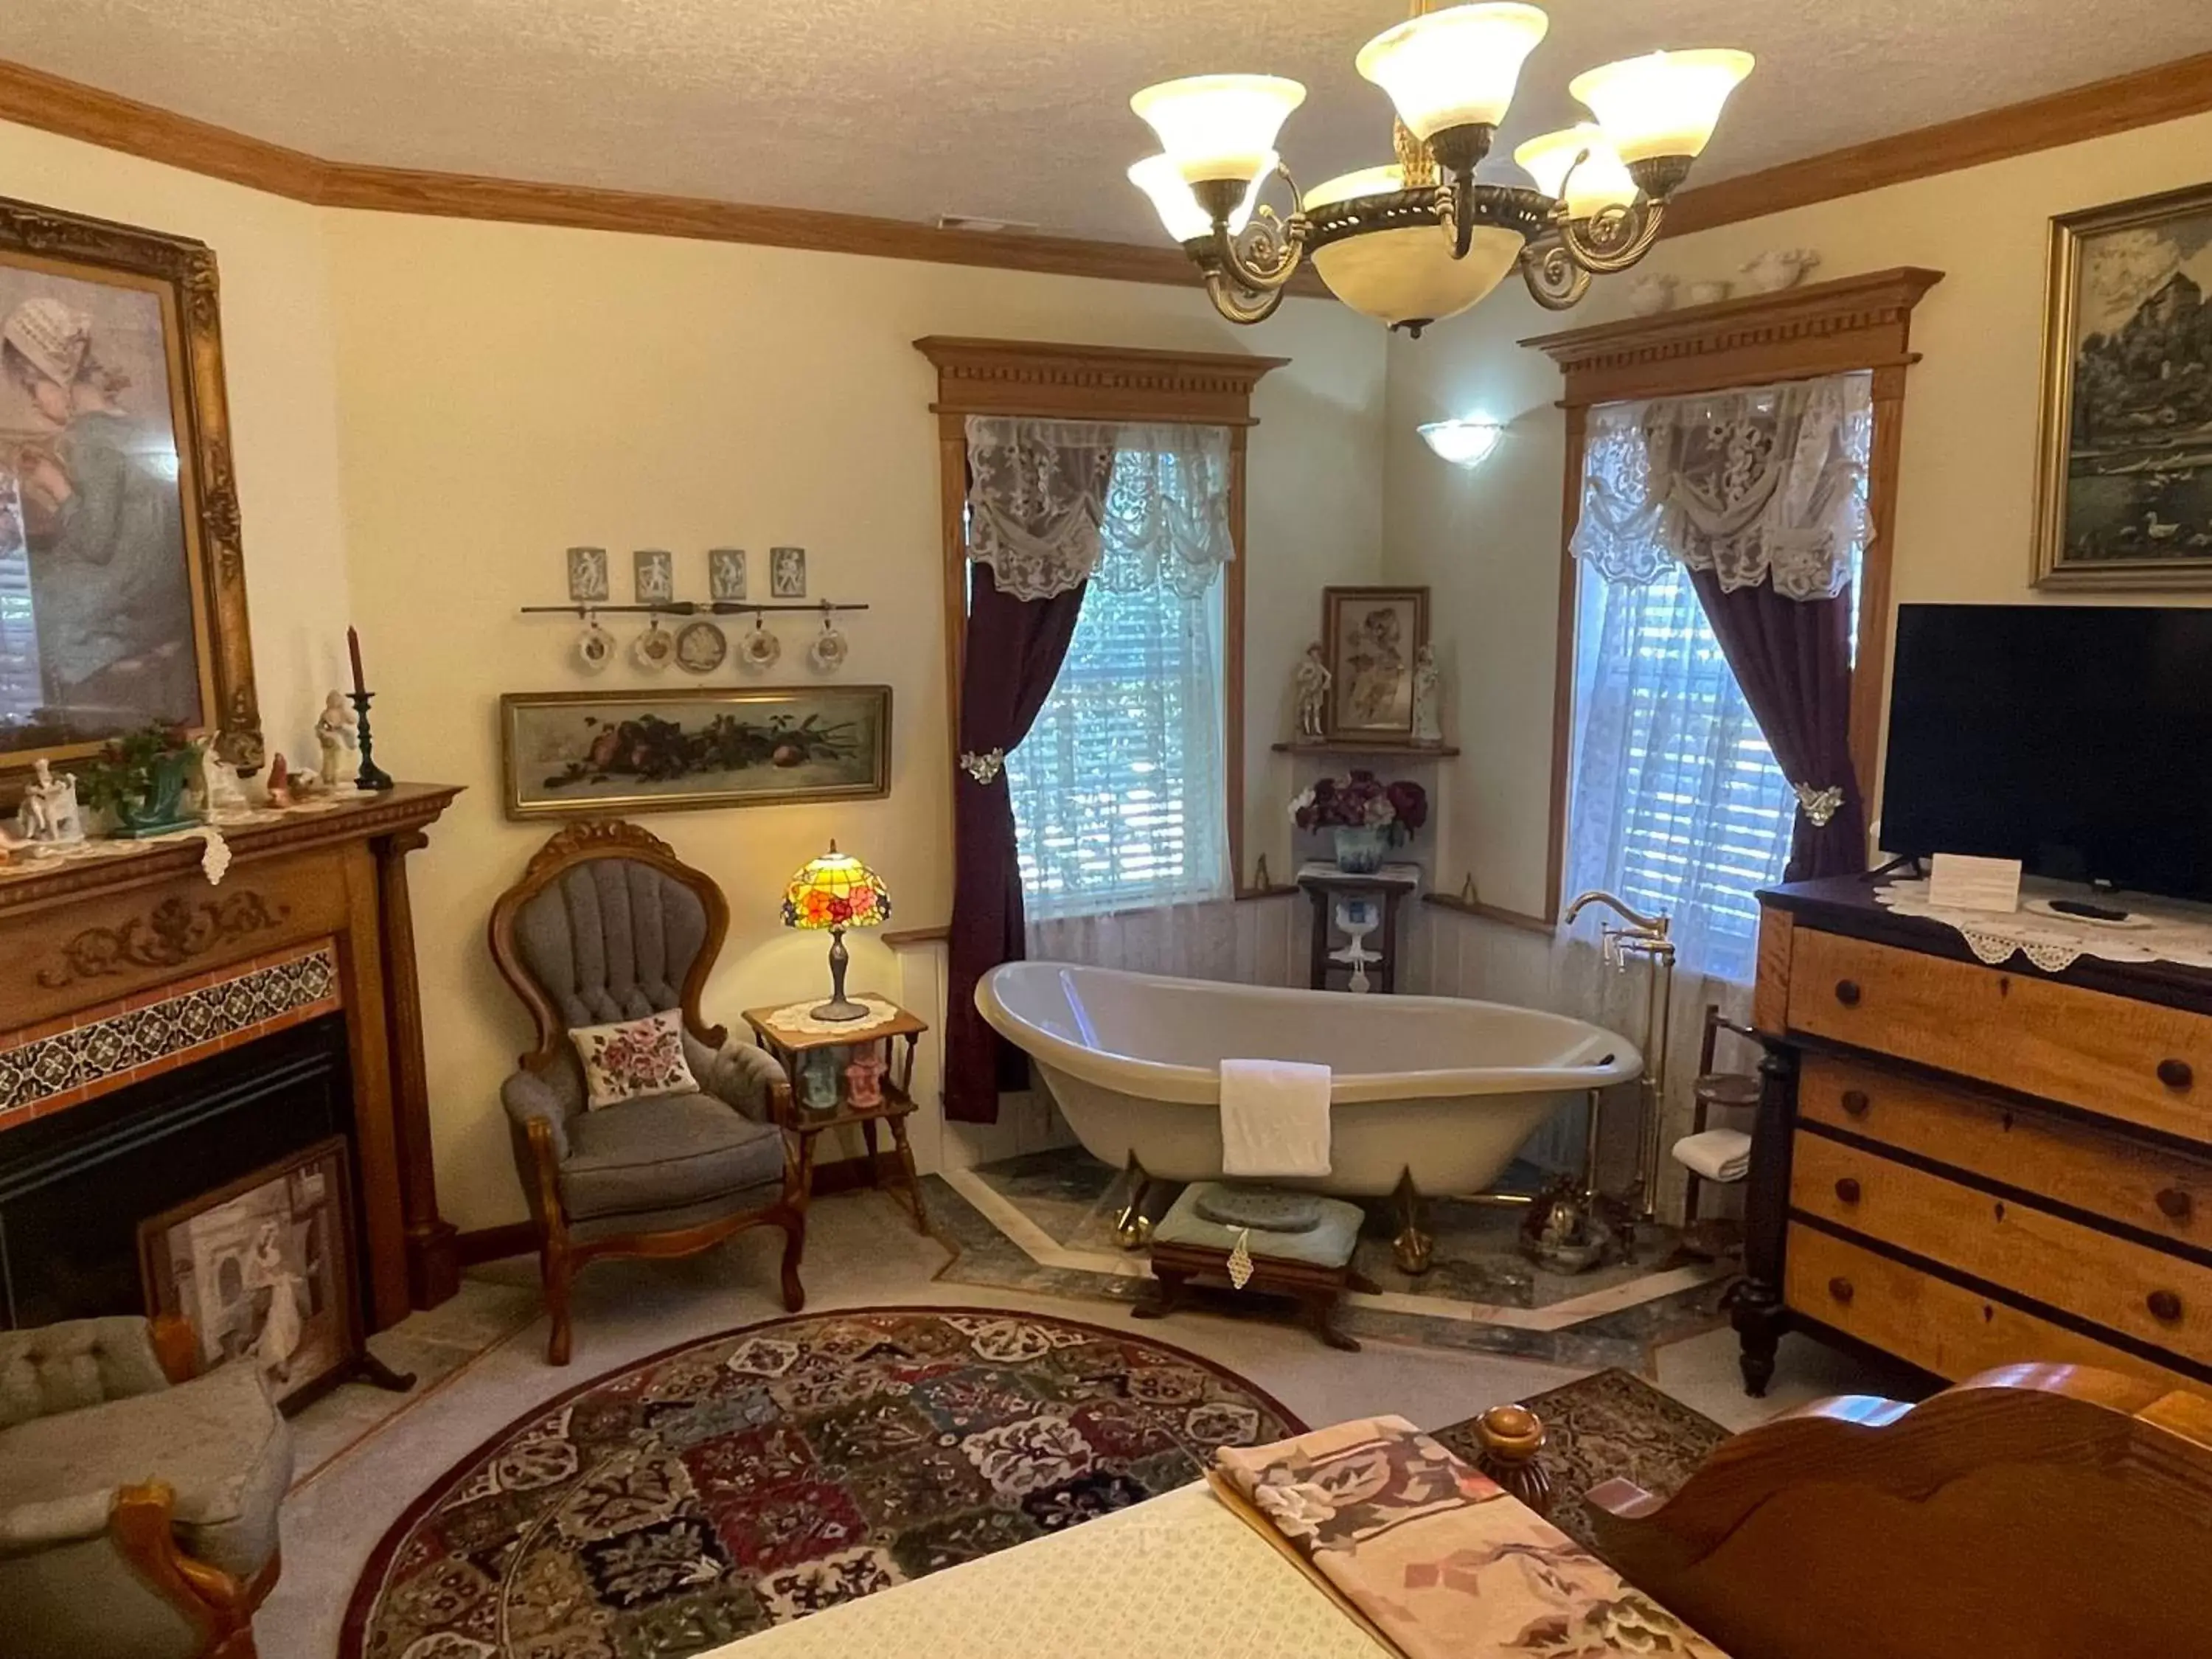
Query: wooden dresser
pixel 1969 1166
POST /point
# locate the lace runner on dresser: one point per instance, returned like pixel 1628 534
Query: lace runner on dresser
pixel 1761 483
pixel 2156 929
pixel 1042 494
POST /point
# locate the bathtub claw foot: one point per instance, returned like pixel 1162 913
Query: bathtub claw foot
pixel 1414 1247
pixel 1133 1228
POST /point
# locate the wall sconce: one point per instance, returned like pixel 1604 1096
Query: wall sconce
pixel 1463 443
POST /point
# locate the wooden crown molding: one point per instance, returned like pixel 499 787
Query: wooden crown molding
pixel 32 98
pixel 1093 383
pixel 2165 91
pixel 1825 328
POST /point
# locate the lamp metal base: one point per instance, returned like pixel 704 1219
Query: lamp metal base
pixel 838 1008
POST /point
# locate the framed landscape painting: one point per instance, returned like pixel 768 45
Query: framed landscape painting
pixel 2125 495
pixel 122 583
pixel 589 753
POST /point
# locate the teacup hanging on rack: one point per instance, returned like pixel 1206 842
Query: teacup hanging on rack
pixel 757 648
pixel 595 647
pixel 829 649
pixel 654 649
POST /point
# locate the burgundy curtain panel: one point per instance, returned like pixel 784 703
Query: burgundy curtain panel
pixel 1014 652
pixel 1793 660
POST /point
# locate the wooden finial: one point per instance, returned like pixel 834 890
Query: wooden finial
pixel 1510 1438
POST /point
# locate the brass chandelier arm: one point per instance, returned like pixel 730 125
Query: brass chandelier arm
pixel 1270 250
pixel 1240 305
pixel 1555 281
pixel 1615 238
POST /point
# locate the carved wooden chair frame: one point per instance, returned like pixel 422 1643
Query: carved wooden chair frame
pixel 562 1255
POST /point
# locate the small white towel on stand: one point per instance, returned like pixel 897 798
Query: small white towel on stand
pixel 1274 1118
pixel 1718 1154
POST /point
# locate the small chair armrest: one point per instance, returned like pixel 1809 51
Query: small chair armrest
pixel 746 1076
pixel 50 1368
pixel 25 1527
pixel 530 1098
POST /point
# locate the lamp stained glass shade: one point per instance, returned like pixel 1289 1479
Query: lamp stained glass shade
pixel 836 890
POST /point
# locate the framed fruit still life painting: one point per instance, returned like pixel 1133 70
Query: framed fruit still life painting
pixel 122 581
pixel 2124 495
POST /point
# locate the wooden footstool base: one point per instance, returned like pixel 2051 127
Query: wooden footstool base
pixel 1185 1247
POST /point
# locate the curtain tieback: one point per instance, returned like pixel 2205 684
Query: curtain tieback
pixel 1819 805
pixel 986 767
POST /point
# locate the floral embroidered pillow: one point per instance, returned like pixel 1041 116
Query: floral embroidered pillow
pixel 633 1057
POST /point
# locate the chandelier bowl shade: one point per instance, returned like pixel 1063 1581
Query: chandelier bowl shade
pixel 1597 182
pixel 1453 68
pixel 1219 126
pixel 1171 195
pixel 1375 244
pixel 1665 103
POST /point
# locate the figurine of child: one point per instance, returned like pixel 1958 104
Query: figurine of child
pixel 335 732
pixel 1312 677
pixel 50 812
pixel 1428 724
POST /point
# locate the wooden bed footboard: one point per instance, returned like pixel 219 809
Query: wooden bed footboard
pixel 2031 1512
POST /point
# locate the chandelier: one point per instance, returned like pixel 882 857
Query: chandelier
pixel 1422 238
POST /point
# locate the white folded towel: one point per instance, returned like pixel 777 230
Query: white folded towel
pixel 1274 1118
pixel 1718 1154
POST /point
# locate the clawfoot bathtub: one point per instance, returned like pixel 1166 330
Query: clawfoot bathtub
pixel 1439 1088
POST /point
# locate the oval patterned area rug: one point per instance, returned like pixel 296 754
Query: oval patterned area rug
pixel 768 1473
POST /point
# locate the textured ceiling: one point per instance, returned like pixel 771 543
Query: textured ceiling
pixel 911 108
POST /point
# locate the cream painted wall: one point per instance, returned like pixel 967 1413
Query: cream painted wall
pixel 277 356
pixel 1488 541
pixel 506 390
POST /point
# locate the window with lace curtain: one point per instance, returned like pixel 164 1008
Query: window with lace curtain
pixel 1675 801
pixel 1119 790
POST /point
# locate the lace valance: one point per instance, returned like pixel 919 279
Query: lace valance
pixel 1053 504
pixel 1760 483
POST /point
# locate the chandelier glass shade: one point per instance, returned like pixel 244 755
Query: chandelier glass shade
pixel 1424 238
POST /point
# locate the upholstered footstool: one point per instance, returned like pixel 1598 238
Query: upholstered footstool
pixel 1299 1245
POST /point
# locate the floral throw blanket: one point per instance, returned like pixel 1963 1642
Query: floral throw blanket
pixel 1438 1561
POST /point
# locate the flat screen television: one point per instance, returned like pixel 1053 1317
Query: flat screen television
pixel 2077 739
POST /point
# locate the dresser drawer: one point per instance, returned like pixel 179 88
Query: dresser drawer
pixel 2156 1298
pixel 1930 1322
pixel 2141 1061
pixel 2168 1195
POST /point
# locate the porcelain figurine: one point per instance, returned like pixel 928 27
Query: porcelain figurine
pixel 280 781
pixel 335 730
pixel 1651 294
pixel 220 789
pixel 1312 677
pixel 1780 268
pixel 50 812
pixel 1708 294
pixel 864 1079
pixel 1428 719
pixel 818 1077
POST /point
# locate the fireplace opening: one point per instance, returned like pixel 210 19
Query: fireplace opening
pixel 74 1186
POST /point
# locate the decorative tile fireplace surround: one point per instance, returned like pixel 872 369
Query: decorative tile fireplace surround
pixel 129 986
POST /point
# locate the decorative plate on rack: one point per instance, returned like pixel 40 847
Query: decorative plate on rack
pixel 701 648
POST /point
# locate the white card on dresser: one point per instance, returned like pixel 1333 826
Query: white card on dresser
pixel 1957 882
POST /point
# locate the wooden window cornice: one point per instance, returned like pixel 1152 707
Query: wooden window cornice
pixel 1852 324
pixel 1055 381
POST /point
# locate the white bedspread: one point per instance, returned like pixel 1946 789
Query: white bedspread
pixel 1179 1575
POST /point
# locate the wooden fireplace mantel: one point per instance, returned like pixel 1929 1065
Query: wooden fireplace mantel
pixel 87 943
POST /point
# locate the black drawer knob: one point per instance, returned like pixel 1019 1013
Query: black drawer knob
pixel 2176 1073
pixel 2164 1306
pixel 2175 1204
pixel 1840 1288
pixel 1856 1102
pixel 1848 1190
pixel 1847 993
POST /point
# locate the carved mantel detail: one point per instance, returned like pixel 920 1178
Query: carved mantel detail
pixel 168 936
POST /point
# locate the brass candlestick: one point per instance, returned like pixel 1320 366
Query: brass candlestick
pixel 371 776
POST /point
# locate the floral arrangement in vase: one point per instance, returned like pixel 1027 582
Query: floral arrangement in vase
pixel 140 779
pixel 1369 817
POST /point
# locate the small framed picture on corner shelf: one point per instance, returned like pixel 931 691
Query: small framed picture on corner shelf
pixel 1371 638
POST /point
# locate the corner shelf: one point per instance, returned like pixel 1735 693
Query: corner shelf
pixel 1373 747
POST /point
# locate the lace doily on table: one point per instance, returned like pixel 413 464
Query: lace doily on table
pixel 2163 930
pixel 33 858
pixel 797 1017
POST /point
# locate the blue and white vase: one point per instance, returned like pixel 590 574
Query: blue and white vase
pixel 1360 849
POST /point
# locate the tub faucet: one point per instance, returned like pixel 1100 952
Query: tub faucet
pixel 1648 936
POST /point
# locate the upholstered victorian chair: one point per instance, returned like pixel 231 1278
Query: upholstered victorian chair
pixel 137 1502
pixel 607 925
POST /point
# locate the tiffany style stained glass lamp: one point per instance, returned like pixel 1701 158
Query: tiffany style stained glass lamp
pixel 836 892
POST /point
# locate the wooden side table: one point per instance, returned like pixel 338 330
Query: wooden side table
pixel 790 1046
pixel 1324 885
